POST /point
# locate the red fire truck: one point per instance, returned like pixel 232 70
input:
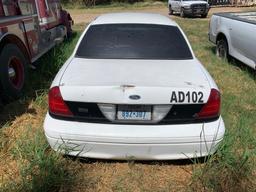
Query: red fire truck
pixel 28 29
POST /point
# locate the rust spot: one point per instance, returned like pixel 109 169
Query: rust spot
pixel 124 87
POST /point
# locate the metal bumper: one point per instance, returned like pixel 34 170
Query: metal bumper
pixel 191 11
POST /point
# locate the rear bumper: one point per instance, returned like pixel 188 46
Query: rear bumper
pixel 144 142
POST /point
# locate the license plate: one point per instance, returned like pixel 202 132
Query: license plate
pixel 134 112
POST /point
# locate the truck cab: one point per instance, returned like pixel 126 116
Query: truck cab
pixel 189 7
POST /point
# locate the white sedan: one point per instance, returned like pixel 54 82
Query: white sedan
pixel 133 88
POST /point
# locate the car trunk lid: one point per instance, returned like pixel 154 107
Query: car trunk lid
pixel 117 81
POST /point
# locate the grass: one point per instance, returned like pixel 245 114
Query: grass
pixel 28 164
pixel 36 167
pixel 233 166
pixel 40 169
pixel 118 5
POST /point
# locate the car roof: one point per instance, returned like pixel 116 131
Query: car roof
pixel 133 18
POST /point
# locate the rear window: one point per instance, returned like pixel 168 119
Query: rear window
pixel 134 41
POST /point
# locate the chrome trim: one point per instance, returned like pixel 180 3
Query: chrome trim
pixel 14 18
pixel 11 72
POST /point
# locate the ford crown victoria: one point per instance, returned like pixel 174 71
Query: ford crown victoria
pixel 133 88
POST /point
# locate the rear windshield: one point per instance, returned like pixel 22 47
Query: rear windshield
pixel 134 41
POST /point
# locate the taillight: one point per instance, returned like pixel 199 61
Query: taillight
pixel 57 106
pixel 212 108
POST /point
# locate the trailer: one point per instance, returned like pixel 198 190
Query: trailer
pixel 28 29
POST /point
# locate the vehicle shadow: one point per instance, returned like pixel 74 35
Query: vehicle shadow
pixel 12 110
pixel 39 80
pixel 180 162
pixel 236 63
pixel 177 15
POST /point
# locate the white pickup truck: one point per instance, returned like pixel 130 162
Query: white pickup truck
pixel 235 35
pixel 189 7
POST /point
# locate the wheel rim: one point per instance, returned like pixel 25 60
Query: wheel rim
pixel 16 72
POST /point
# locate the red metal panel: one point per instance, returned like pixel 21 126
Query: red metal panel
pixel 11 8
pixel 26 27
pixel 42 8
pixel 50 13
pixel 32 36
pixel 15 28
pixel 3 30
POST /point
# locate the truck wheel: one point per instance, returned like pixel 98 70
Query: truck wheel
pixel 170 10
pixel 13 68
pixel 204 15
pixel 222 49
pixel 182 14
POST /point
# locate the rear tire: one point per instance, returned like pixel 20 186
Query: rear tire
pixel 182 14
pixel 170 10
pixel 204 15
pixel 13 68
pixel 222 49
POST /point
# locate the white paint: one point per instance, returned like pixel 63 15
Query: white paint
pixel 147 142
pixel 103 81
pixel 177 5
pixel 137 18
